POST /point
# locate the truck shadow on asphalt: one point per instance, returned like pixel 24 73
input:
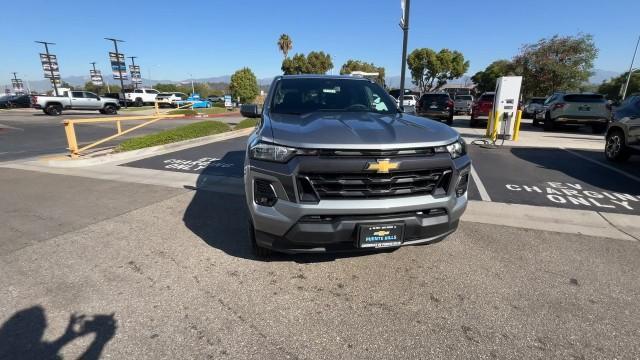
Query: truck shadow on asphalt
pixel 21 336
pixel 218 215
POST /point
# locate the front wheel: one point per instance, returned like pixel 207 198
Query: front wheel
pixel 139 102
pixel 615 149
pixel 548 123
pixel 53 110
pixel 258 250
pixel 109 110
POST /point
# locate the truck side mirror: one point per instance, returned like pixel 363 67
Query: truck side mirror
pixel 250 110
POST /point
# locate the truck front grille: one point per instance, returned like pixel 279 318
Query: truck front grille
pixel 373 185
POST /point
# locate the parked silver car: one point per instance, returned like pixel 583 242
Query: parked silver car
pixel 623 134
pixel 334 166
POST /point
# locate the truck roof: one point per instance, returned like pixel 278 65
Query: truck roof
pixel 320 76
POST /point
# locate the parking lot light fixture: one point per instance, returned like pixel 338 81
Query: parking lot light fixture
pixel 404 25
pixel 46 49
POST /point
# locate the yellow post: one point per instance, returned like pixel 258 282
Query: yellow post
pixel 71 138
pixel 119 126
pixel 496 126
pixel 516 130
pixel 489 120
pixel 155 104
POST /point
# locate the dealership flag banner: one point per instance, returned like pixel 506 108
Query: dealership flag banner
pixel 136 78
pixel 50 67
pixel 18 87
pixel 118 66
pixel 96 77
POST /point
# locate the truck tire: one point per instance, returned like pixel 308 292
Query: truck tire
pixel 473 122
pixel 548 122
pixel 110 110
pixel 450 119
pixel 259 251
pixel 615 149
pixel 53 110
pixel 139 102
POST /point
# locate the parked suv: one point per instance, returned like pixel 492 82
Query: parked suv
pixel 623 134
pixel 533 106
pixel 334 165
pixel 436 106
pixel 575 109
pixel 141 97
pixel 481 109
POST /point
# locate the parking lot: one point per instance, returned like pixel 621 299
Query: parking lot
pixel 167 271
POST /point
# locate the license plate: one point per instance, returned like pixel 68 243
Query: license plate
pixel 433 107
pixel 380 235
pixel 584 108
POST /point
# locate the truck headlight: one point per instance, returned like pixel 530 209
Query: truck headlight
pixel 271 152
pixel 456 149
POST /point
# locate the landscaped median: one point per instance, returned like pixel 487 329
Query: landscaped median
pixel 181 133
pixel 203 111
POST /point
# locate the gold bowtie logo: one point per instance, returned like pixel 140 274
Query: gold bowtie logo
pixel 383 166
pixel 382 233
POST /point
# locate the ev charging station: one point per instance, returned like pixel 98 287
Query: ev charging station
pixel 504 119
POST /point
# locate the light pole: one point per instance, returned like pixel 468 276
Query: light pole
pixel 115 44
pixel 46 50
pixel 193 90
pixel 624 93
pixel 404 25
pixel 133 63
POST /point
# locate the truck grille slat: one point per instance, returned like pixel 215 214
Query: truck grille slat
pixel 365 185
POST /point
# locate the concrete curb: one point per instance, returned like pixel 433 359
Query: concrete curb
pixel 609 225
pixel 141 153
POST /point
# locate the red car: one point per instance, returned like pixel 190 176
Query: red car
pixel 481 109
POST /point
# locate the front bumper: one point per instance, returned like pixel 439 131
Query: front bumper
pixel 332 225
pixel 437 114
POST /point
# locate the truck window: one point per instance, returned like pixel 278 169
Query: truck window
pixel 138 91
pixel 151 91
pixel 77 94
pixel 90 95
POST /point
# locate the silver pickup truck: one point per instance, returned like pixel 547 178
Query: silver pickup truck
pixel 462 104
pixel 75 100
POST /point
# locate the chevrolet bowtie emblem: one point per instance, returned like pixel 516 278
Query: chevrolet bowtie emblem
pixel 382 166
pixel 382 233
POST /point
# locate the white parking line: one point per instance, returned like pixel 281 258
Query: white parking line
pixel 621 172
pixel 484 195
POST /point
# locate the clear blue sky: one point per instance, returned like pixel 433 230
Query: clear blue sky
pixel 212 38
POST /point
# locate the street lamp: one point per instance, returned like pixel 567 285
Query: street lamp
pixel 404 25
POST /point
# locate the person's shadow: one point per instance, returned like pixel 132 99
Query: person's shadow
pixel 21 336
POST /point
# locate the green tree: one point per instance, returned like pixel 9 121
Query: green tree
pixel 66 85
pixel 357 65
pixel 316 62
pixel 166 87
pixel 486 80
pixel 244 85
pixel 285 44
pixel 89 86
pixel 555 64
pixel 613 87
pixel 431 70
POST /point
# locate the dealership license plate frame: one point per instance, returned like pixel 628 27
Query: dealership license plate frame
pixel 365 231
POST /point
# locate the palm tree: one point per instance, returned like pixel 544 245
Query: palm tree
pixel 285 44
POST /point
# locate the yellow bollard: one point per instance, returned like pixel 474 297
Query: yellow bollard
pixel 71 138
pixel 516 130
pixel 489 120
pixel 496 126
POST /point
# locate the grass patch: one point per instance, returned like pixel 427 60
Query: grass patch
pixel 211 110
pixel 246 123
pixel 182 112
pixel 185 132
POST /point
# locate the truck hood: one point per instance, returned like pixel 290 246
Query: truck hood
pixel 357 130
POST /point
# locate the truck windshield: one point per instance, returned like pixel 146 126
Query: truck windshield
pixel 306 95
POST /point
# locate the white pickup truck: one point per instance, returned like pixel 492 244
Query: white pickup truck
pixel 75 100
pixel 140 97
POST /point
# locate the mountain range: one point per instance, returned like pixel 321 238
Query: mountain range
pixel 598 77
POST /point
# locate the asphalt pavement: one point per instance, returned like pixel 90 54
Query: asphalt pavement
pixel 171 275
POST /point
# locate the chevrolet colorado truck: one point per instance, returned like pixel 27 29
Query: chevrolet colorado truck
pixel 75 100
pixel 333 165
